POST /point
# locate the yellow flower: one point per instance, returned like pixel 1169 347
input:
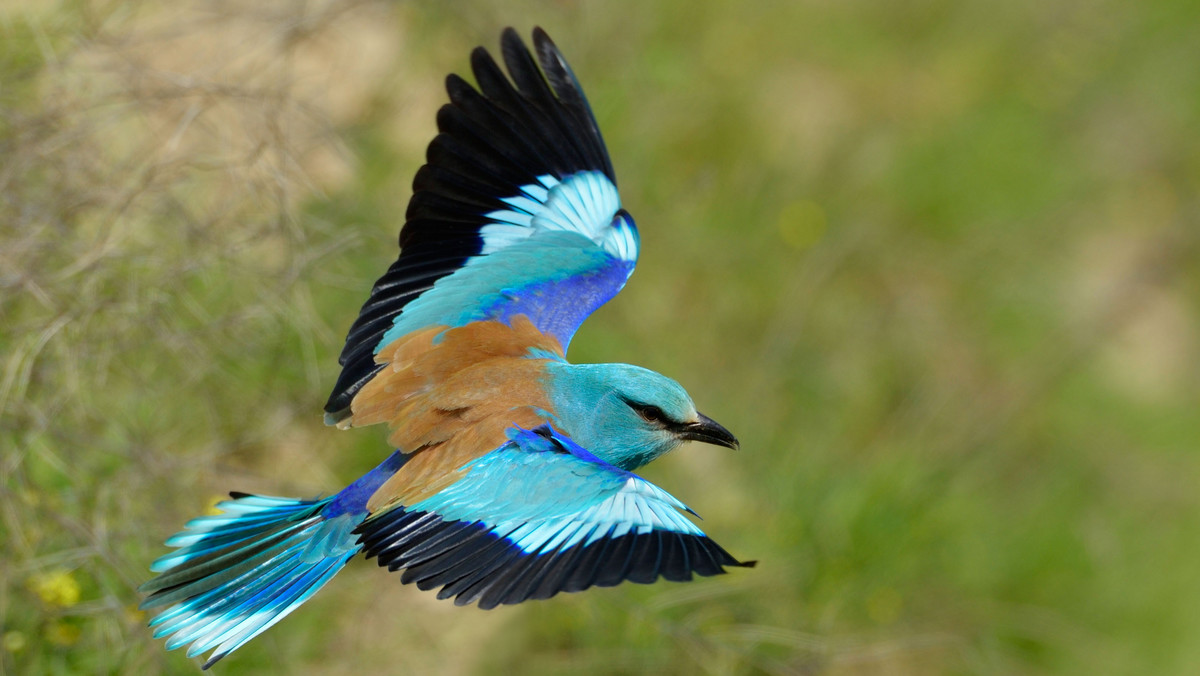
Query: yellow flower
pixel 55 588
pixel 212 509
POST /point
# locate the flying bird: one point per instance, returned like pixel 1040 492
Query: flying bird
pixel 513 475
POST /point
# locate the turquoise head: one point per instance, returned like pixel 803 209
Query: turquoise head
pixel 627 415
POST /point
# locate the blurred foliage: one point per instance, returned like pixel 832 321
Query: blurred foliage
pixel 935 262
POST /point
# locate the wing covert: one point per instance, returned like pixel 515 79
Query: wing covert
pixel 516 211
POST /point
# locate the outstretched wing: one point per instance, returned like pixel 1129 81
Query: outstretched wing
pixel 535 517
pixel 516 212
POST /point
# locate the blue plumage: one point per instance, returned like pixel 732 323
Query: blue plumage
pixel 243 572
pixel 237 573
pixel 556 278
pixel 513 479
pixel 538 516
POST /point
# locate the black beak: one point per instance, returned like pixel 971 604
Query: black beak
pixel 710 432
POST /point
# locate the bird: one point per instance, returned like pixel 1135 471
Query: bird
pixel 513 472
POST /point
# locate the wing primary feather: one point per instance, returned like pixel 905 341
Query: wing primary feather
pixel 724 558
pixel 520 587
pixel 533 98
pixel 438 178
pixel 417 535
pixel 470 146
pixel 457 577
pixel 612 571
pixel 454 563
pixel 588 569
pixel 444 539
pixel 493 589
pixel 543 582
pixel 530 83
pixel 568 89
pixel 675 565
pixel 555 576
pixel 468 589
pixel 646 557
pixel 489 124
pixel 523 69
pixel 702 561
pixel 393 530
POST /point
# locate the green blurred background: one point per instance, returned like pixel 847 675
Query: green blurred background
pixel 936 263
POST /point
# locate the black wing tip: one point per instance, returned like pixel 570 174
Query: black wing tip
pixel 548 52
pixel 510 38
pixel 479 55
pixel 456 85
pixel 471 564
pixel 513 49
pixel 540 37
pixel 543 45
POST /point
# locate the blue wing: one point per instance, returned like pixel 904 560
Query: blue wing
pixel 538 516
pixel 515 212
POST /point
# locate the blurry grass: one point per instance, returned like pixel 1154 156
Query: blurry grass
pixel 935 263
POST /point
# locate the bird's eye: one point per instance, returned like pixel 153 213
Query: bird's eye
pixel 651 414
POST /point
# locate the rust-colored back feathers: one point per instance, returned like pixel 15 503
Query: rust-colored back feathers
pixel 449 395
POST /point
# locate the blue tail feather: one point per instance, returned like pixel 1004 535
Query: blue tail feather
pixel 237 573
pixel 231 579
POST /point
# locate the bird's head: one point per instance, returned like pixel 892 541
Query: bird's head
pixel 627 415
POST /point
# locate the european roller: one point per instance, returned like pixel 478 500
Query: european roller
pixel 513 479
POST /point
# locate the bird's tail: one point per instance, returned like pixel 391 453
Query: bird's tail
pixel 239 572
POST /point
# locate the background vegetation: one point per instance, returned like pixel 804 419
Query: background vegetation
pixel 935 262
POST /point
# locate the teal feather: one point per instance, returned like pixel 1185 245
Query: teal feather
pixel 592 404
pixel 234 577
pixel 237 573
